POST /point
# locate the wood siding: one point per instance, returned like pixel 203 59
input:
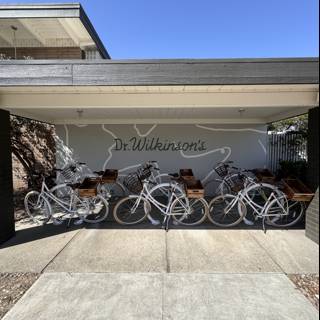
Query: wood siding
pixel 162 72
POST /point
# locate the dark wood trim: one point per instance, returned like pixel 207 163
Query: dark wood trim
pixel 159 72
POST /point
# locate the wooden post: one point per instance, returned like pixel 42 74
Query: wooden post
pixel 313 149
pixel 312 215
pixel 7 229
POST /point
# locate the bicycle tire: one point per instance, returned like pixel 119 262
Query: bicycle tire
pixel 129 203
pixel 183 219
pixel 276 221
pixel 220 201
pixel 102 216
pixel 41 204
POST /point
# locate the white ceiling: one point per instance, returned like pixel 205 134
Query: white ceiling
pixel 175 104
pixel 44 32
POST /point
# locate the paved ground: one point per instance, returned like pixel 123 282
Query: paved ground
pixel 162 296
pixel 150 274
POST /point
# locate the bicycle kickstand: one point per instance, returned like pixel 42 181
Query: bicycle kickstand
pixel 167 224
pixel 264 225
pixel 69 221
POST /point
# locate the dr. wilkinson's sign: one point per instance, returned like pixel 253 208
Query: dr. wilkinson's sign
pixel 156 144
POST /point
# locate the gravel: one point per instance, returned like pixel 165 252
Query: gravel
pixel 308 284
pixel 12 288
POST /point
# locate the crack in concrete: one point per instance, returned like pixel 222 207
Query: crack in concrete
pixel 67 244
pixel 266 251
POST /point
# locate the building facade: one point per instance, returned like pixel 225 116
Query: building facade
pixel 118 114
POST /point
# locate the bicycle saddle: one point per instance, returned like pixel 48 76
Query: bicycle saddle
pixel 174 175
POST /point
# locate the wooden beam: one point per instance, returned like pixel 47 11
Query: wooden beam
pixel 171 72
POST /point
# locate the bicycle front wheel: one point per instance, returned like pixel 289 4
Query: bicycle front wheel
pixel 113 190
pixel 93 209
pixel 189 212
pixel 226 211
pixel 131 210
pixel 37 207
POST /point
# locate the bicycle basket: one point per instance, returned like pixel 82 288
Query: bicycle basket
pixel 235 182
pixel 69 175
pixel 133 183
pixel 221 170
pixel 144 173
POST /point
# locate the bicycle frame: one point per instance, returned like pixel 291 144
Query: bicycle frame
pixel 47 193
pixel 146 194
pixel 258 210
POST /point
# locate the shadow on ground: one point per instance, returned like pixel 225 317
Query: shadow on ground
pixel 36 232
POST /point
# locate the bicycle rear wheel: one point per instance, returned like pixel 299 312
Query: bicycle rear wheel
pixel 37 207
pixel 131 210
pixel 189 212
pixel 284 213
pixel 226 211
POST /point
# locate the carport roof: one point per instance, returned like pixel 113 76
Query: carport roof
pixel 160 91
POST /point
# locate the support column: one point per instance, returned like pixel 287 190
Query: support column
pixel 7 229
pixel 312 215
pixel 313 149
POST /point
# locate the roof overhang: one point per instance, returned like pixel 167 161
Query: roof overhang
pixel 48 25
pixel 151 91
pixel 160 104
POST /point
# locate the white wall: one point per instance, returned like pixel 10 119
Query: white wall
pixel 95 145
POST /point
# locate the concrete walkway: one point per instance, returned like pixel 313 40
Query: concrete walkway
pixel 151 274
pixel 162 296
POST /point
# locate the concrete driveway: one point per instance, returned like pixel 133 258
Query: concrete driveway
pixel 150 274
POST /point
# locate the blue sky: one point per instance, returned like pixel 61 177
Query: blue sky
pixel 205 28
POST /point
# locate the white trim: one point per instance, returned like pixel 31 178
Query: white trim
pixel 76 100
pixel 161 121
pixel 163 89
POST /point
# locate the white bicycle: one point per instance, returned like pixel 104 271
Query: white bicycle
pixel 229 180
pixel 76 172
pixel 45 205
pixel 266 202
pixel 135 208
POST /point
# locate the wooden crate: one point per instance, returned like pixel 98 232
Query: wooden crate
pixel 194 189
pixel 109 176
pixel 187 174
pixel 88 187
pixel 264 175
pixel 297 190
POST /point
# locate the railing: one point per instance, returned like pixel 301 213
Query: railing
pixel 289 146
